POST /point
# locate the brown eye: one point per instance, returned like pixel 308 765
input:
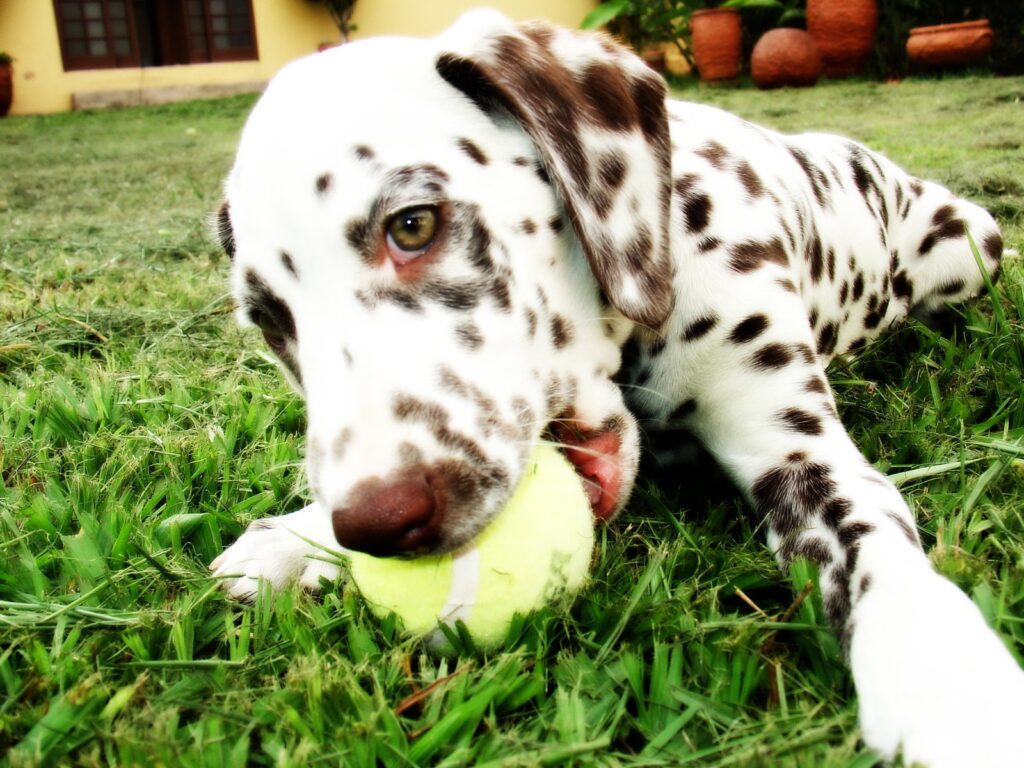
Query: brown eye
pixel 275 340
pixel 410 232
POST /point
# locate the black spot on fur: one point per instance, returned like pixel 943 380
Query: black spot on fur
pixel 749 179
pixel 363 152
pixel 699 327
pixel 473 151
pixel 469 335
pixel 804 352
pixel 323 183
pixel 992 245
pixel 771 356
pixel 749 329
pixel 499 291
pixel 708 244
pixel 858 286
pixel 816 384
pixel 865 585
pixel 359 236
pixel 265 309
pixel 750 255
pixel 816 258
pixel 810 548
pixel 901 286
pixel 555 224
pixel 851 533
pixel 397 296
pixel 819 183
pixel 714 153
pixel 289 264
pixel 827 339
pixel 697 210
pixel 837 604
pixel 527 226
pixel 225 232
pixel 945 227
pixel 904 526
pixel 835 511
pixel 611 169
pixel 788 494
pixel 860 175
pixel 797 420
pixel 561 331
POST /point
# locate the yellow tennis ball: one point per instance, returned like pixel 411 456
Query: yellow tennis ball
pixel 535 552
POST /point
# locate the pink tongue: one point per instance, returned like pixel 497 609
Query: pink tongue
pixel 596 460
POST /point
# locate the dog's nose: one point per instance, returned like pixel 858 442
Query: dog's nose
pixel 390 517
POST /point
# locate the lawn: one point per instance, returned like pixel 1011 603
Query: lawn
pixel 140 432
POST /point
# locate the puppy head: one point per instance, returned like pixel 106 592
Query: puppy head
pixel 444 242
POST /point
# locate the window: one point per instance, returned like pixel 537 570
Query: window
pixel 96 34
pixel 99 34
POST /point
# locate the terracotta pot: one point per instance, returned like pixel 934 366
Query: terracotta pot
pixel 6 89
pixel 968 42
pixel 716 43
pixel 785 57
pixel 844 31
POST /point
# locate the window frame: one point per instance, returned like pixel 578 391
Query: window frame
pixel 193 55
pixel 111 60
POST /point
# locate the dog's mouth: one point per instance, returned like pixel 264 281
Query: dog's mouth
pixel 595 456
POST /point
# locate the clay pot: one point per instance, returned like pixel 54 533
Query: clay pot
pixel 968 42
pixel 716 43
pixel 844 31
pixel 785 57
pixel 6 89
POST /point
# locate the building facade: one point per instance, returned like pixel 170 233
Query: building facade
pixel 93 53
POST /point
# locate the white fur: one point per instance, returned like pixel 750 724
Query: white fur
pixel 934 681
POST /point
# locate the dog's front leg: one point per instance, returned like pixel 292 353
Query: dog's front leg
pixel 933 680
pixel 281 550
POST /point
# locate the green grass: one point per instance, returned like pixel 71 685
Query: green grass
pixel 140 432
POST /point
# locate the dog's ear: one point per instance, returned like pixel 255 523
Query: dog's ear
pixel 223 230
pixel 597 116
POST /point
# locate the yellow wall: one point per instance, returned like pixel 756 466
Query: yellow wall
pixel 285 30
pixel 421 18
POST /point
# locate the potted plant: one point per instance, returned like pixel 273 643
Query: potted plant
pixel 6 82
pixel 706 32
pixel 341 13
pixel 645 26
pixel 844 31
pixel 943 45
pixel 785 55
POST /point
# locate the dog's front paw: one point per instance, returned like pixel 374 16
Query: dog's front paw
pixel 934 682
pixel 279 550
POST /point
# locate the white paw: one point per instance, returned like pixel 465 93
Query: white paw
pixel 278 551
pixel 934 682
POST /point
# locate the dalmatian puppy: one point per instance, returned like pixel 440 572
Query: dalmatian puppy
pixel 448 242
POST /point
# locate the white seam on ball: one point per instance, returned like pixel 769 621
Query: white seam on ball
pixel 465 583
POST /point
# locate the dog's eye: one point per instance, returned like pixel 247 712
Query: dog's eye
pixel 410 232
pixel 275 340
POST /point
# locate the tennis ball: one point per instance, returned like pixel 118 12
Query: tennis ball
pixel 535 552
